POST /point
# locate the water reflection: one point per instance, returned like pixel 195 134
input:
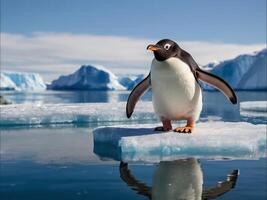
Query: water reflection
pixel 179 179
pixel 60 96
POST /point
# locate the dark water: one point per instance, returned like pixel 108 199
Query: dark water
pixel 59 162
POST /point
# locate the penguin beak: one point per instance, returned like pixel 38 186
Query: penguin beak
pixel 152 47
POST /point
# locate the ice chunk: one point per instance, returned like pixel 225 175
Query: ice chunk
pixel 243 72
pixel 209 140
pixel 253 108
pixel 21 81
pixel 88 77
pixel 76 113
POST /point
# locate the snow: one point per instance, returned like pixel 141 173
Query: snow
pixel 253 108
pixel 245 72
pixel 75 113
pixel 21 81
pixel 215 140
pixel 88 77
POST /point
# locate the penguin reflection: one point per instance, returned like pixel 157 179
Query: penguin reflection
pixel 179 179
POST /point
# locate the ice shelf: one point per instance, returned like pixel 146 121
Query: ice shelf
pixel 215 140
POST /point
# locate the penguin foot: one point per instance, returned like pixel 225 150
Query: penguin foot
pixel 186 129
pixel 162 129
pixel 167 126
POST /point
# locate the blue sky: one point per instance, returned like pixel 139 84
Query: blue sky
pixel 229 22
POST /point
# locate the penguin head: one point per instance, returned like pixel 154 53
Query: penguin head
pixel 164 49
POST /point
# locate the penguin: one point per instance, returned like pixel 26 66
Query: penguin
pixel 174 80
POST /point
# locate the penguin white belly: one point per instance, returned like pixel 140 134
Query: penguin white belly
pixel 175 93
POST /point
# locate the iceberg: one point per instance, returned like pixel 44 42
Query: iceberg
pixel 245 72
pixel 6 83
pixel 72 113
pixel 88 77
pixel 21 81
pixel 130 81
pixel 214 140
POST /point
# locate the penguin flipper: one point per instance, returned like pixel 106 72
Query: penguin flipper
pixel 136 94
pixel 209 78
pixel 218 83
pixel 132 182
pixel 222 187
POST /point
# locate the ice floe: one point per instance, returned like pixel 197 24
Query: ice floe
pixel 253 108
pixel 74 113
pixel 240 140
pixel 79 113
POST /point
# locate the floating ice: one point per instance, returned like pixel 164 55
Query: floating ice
pixel 253 109
pixel 75 113
pixel 209 140
pixel 21 81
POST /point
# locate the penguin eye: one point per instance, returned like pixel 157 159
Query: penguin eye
pixel 167 46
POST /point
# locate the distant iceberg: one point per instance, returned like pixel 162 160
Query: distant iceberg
pixel 219 140
pixel 245 72
pixel 88 77
pixel 21 81
pixel 130 81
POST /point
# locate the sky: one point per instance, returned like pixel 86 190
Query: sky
pixel 57 37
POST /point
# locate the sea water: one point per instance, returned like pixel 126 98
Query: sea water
pixel 58 161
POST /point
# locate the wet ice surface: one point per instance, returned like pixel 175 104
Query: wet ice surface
pixel 209 140
pixel 38 114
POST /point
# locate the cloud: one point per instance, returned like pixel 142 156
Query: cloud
pixel 52 54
